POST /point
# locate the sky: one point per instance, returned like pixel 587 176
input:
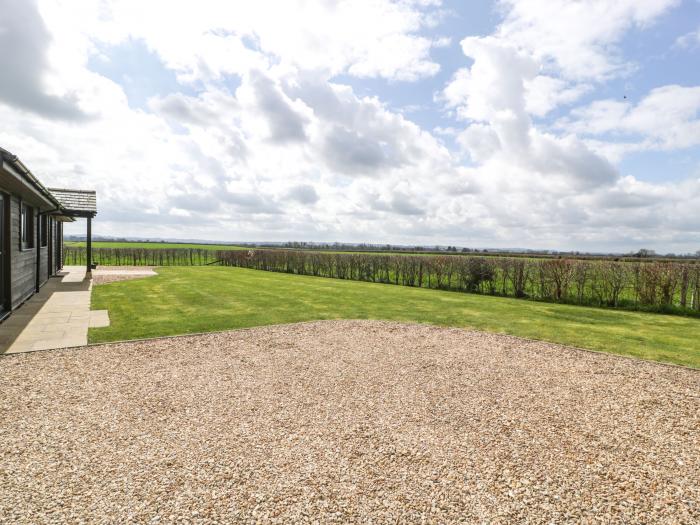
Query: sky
pixel 542 124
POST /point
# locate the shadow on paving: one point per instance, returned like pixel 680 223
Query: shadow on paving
pixel 58 316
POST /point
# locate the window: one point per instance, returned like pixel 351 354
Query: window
pixel 27 227
pixel 44 230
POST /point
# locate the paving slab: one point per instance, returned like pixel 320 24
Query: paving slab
pixel 57 317
pixel 98 318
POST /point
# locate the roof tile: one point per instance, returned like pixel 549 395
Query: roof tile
pixel 76 200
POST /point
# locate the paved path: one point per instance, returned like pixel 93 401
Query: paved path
pixel 57 317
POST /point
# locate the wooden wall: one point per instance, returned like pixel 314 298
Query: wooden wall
pixel 23 262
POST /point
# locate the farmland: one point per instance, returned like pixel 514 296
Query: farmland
pixel 364 250
pixel 196 299
pixel 154 245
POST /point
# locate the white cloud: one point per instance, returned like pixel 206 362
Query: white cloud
pixel 689 40
pixel 25 64
pixel 544 184
pixel 286 150
pixel 667 118
pixel 492 93
pixel 577 38
pixel 206 40
pixel 544 94
pixel 303 194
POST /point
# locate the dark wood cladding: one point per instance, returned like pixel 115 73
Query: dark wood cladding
pixel 23 262
pixel 33 240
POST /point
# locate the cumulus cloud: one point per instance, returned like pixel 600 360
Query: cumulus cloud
pixel 545 93
pixel 303 194
pixel 195 202
pixel 251 202
pixel 399 202
pixel 689 40
pixel 492 96
pixel 577 38
pixel 270 137
pixel 403 204
pixel 365 38
pixel 24 63
pixel 543 181
pixel 349 152
pixel 285 124
pixel 186 110
pixel 667 118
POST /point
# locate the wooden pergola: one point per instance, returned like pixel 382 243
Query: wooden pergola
pixel 78 204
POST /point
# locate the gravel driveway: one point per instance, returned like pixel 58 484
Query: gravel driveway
pixel 343 421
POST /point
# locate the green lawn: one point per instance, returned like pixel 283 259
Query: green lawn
pixel 201 299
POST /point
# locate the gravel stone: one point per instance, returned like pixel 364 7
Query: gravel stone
pixel 112 274
pixel 346 421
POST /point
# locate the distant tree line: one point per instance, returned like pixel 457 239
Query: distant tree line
pixel 75 255
pixel 639 255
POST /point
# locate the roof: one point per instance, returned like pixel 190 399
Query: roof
pixel 26 175
pixel 64 204
pixel 76 202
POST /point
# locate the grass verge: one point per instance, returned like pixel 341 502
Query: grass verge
pixel 184 300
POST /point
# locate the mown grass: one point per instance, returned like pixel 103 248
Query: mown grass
pixel 200 299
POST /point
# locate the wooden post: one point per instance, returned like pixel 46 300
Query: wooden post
pixel 89 244
pixel 59 240
pixel 49 245
pixel 37 231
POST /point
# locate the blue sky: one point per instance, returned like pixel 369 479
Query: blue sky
pixel 654 52
pixel 139 72
pixel 555 124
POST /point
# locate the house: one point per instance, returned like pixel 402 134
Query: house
pixel 31 230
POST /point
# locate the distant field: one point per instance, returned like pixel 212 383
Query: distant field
pixel 200 299
pixel 157 245
pixel 196 246
pixel 426 252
